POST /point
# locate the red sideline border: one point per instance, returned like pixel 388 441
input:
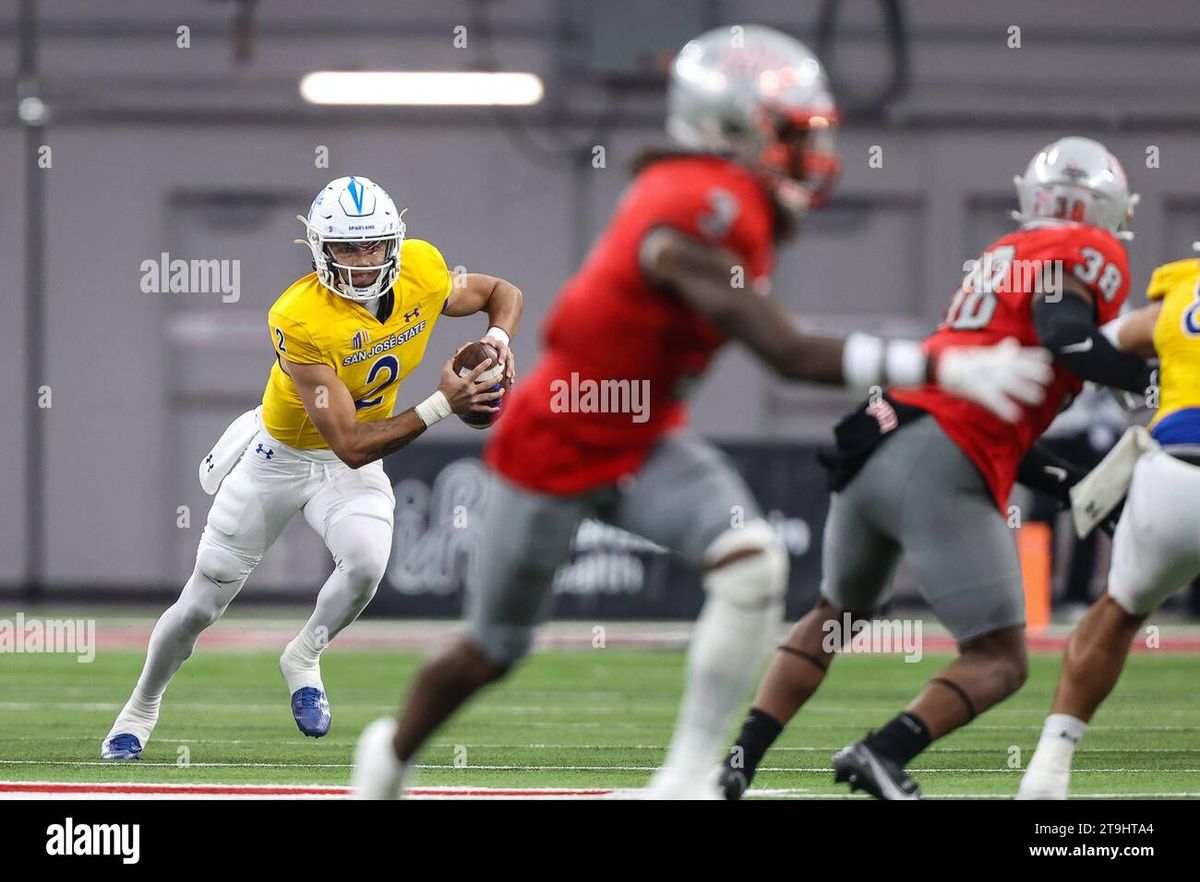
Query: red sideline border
pixel 262 639
pixel 76 788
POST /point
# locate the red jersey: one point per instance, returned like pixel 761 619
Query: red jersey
pixel 995 303
pixel 620 352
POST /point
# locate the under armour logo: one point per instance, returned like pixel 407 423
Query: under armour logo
pixel 409 316
pixel 264 452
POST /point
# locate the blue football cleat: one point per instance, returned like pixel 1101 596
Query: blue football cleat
pixel 310 708
pixel 121 747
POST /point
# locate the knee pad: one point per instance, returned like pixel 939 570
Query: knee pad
pixel 221 575
pixel 362 545
pixel 220 565
pixel 754 580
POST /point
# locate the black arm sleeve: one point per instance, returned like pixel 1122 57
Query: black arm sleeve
pixel 1068 329
pixel 1043 472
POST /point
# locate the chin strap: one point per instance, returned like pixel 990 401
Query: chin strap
pixel 326 269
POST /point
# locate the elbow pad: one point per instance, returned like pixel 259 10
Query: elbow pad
pixel 1067 328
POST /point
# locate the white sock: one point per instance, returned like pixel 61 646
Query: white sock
pixel 171 643
pixel 728 645
pixel 1048 775
pixel 138 717
pixel 301 662
pixel 360 547
pixel 1060 736
pixel 377 772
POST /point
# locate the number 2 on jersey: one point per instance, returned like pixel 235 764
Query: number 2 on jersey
pixel 372 398
pixel 1190 325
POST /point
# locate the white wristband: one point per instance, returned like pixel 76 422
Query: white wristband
pixel 870 361
pixel 862 361
pixel 1112 330
pixel 498 334
pixel 905 363
pixel 435 407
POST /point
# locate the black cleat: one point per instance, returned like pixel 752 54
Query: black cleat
pixel 732 783
pixel 863 769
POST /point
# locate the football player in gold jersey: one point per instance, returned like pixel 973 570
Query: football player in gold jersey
pixel 1156 545
pixel 345 336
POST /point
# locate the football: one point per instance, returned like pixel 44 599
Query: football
pixel 471 356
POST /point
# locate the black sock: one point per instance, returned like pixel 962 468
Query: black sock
pixel 900 740
pixel 758 733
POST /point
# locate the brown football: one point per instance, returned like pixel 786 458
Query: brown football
pixel 472 355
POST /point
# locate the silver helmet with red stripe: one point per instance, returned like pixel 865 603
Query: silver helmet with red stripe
pixel 1075 180
pixel 762 97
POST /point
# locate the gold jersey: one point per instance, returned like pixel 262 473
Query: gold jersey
pixel 312 325
pixel 1177 341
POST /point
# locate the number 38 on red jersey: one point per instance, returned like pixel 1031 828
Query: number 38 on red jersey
pixel 995 302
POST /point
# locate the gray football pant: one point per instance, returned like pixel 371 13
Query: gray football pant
pixel 685 495
pixel 920 495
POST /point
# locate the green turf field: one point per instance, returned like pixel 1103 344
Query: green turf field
pixel 591 718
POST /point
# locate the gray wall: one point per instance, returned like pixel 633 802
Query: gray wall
pixel 185 151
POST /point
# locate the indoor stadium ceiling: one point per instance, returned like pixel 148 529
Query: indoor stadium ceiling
pixel 120 61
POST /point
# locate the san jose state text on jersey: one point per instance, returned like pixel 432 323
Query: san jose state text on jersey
pixel 385 345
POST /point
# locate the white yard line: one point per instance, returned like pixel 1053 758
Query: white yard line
pixel 548 768
pixel 450 745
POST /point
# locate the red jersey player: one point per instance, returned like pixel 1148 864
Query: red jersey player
pixel 598 428
pixel 926 474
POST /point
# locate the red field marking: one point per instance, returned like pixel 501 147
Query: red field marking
pixel 1056 643
pixel 72 788
pixel 276 638
pixel 268 638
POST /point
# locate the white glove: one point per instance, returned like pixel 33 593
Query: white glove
pixel 997 377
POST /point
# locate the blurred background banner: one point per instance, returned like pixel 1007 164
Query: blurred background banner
pixel 612 574
pixel 141 137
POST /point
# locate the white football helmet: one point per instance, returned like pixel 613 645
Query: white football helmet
pixel 353 209
pixel 760 96
pixel 1075 180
